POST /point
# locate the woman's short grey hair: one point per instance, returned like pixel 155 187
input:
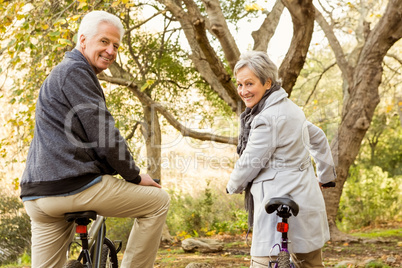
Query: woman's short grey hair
pixel 260 64
pixel 90 22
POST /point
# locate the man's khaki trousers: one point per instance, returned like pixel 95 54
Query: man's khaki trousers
pixel 111 197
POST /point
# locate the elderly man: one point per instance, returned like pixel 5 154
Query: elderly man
pixel 75 151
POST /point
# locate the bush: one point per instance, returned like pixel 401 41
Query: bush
pixel 236 225
pixel 119 229
pixel 369 197
pixel 15 229
pixel 206 214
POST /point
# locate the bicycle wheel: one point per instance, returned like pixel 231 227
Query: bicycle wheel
pixel 109 255
pixel 284 259
pixel 73 264
pixel 292 264
pixel 73 252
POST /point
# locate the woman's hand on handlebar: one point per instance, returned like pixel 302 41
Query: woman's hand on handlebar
pixel 146 180
pixel 327 185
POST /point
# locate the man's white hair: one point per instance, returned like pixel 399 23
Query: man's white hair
pixel 90 22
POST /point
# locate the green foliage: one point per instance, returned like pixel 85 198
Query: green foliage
pixel 369 196
pixel 204 215
pixel 15 231
pixel 383 143
pixel 119 229
pixel 236 225
pixel 25 258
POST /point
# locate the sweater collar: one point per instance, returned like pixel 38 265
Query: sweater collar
pixel 75 54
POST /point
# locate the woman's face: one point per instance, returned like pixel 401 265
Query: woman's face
pixel 249 87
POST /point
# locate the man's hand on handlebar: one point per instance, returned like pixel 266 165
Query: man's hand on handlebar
pixel 146 180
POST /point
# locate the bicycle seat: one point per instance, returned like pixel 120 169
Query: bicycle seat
pixel 80 215
pixel 273 204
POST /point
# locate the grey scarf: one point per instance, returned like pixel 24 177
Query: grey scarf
pixel 246 118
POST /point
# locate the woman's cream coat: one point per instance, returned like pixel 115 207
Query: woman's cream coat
pixel 277 159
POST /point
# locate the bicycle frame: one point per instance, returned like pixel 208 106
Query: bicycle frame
pixel 98 230
pixel 283 248
pixel 96 235
pixel 284 208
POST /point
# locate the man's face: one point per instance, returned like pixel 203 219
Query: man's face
pixel 101 49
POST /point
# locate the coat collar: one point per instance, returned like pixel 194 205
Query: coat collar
pixel 276 97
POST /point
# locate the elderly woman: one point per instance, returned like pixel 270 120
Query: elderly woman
pixel 275 144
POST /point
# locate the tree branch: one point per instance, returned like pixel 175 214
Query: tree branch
pixel 199 26
pixel 336 47
pixel 198 58
pixel 318 80
pixel 264 34
pixel 145 21
pixel 131 134
pixel 386 32
pixel 214 62
pixel 186 132
pixel 302 12
pixel 2 50
pixel 219 28
pixel 180 86
pixel 130 47
pixel 395 57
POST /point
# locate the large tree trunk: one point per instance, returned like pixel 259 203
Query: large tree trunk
pixel 151 132
pixel 363 100
pixel 153 140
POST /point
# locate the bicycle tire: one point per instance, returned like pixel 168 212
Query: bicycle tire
pixel 109 255
pixel 73 264
pixel 284 259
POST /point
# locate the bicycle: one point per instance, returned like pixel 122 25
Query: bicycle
pixel 285 208
pixel 97 251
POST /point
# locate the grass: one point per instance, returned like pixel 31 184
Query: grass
pixel 377 233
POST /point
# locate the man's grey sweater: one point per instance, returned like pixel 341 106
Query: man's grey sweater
pixel 75 138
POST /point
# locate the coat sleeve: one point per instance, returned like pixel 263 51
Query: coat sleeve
pixel 321 152
pixel 101 135
pixel 255 157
